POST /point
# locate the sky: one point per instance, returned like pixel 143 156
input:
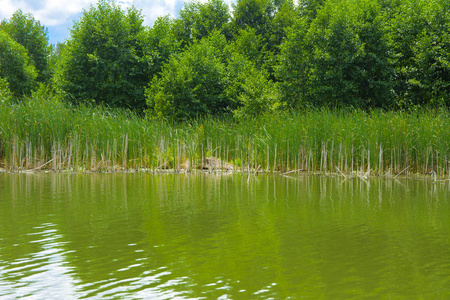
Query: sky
pixel 58 15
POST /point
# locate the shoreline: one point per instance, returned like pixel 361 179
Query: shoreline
pixel 251 173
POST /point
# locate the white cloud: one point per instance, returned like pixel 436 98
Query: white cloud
pixel 8 8
pixel 58 12
pixel 48 12
pixel 57 15
pixel 157 8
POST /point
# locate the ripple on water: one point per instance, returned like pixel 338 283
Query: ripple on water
pixel 155 238
pixel 43 274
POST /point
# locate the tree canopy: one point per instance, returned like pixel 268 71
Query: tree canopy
pixel 197 20
pixel 105 60
pixel 15 66
pixel 256 57
pixel 28 32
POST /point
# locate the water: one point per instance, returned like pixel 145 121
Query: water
pixel 136 236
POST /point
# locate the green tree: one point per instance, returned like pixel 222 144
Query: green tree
pixel 285 17
pixel 15 66
pixel 105 60
pixel 309 8
pixel 197 20
pixel 250 88
pixel 28 32
pixel 191 84
pixel 430 76
pixel 161 42
pixel 256 14
pixel 293 65
pixel 259 29
pixel 54 57
pixel 348 60
pixel 209 78
pixel 251 45
pixel 419 33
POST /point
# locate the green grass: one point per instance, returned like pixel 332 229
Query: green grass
pixel 47 134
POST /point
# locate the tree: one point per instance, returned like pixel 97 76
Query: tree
pixel 259 29
pixel 209 78
pixel 348 61
pixel 419 32
pixel 430 77
pixel 28 32
pixel 54 57
pixel 191 84
pixel 15 66
pixel 248 43
pixel 105 60
pixel 256 14
pixel 197 20
pixel 161 42
pixel 293 65
pixel 309 8
pixel 285 17
pixel 250 88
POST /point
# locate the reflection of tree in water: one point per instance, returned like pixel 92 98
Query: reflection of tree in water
pixel 209 236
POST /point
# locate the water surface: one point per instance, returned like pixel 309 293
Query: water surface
pixel 139 236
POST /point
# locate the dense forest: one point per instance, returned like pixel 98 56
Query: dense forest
pixel 275 85
pixel 259 56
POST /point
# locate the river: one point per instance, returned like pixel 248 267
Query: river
pixel 186 236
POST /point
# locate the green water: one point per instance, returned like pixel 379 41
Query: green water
pixel 136 236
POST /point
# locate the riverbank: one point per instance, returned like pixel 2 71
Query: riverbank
pixel 45 134
pixel 247 174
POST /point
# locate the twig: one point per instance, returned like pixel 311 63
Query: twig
pixel 96 167
pixel 256 171
pixel 340 172
pixel 364 177
pixel 401 172
pixel 293 171
pixel 40 167
pixel 162 165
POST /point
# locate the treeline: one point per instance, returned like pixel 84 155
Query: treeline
pixel 261 56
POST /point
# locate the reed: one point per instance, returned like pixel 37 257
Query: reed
pixel 47 134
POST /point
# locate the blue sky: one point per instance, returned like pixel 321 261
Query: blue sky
pixel 58 15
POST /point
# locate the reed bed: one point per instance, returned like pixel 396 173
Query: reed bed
pixel 46 134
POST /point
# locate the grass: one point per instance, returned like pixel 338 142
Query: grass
pixel 44 133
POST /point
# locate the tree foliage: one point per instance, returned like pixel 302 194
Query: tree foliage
pixel 419 32
pixel 197 20
pixel 161 42
pixel 105 59
pixel 259 56
pixel 191 84
pixel 209 78
pixel 347 61
pixel 28 32
pixel 15 66
pixel 256 14
pixel 293 65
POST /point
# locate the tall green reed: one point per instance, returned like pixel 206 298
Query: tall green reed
pixel 45 133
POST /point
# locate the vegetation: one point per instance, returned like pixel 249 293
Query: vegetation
pixel 47 133
pixel 28 32
pixel 15 66
pixel 390 54
pixel 209 78
pixel 320 86
pixel 105 60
